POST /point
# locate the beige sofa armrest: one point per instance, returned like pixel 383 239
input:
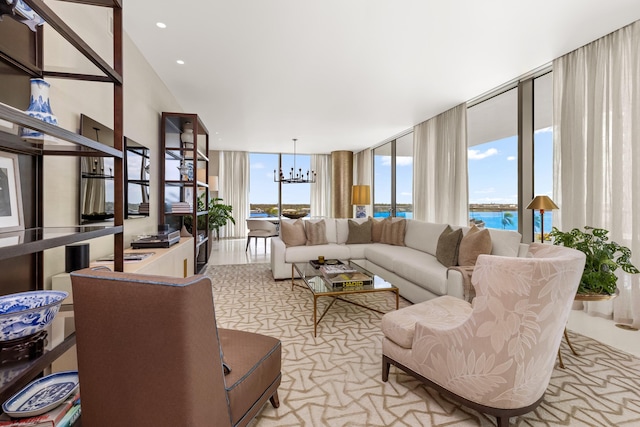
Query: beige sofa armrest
pixel 459 277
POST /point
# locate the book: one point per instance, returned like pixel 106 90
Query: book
pixel 333 270
pixel 349 280
pixel 52 418
pixel 71 416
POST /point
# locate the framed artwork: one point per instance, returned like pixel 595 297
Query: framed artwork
pixel 11 218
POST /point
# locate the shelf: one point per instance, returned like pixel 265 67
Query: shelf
pixel 76 144
pixel 33 240
pixel 15 376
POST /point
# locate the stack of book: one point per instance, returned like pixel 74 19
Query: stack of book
pixel 341 275
pixel 180 208
pixel 143 208
pixel 63 415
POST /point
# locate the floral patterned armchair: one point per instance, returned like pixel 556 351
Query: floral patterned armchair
pixel 497 354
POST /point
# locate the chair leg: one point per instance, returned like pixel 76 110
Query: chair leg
pixel 503 421
pixel 248 241
pixel 275 402
pixel 385 369
pixel 265 245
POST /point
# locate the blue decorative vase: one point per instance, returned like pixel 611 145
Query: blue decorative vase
pixel 39 107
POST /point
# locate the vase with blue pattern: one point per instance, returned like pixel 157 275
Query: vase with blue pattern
pixel 39 107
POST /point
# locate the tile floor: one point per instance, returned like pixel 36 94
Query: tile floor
pixel 232 251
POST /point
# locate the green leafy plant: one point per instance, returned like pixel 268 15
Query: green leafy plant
pixel 219 215
pixel 603 258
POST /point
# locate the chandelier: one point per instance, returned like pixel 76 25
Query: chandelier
pixel 295 175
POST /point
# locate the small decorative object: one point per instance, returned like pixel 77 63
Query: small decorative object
pixel 187 135
pixel 293 214
pixel 39 108
pixel 26 313
pixel 21 12
pixel 320 259
pixel 42 395
pixel 603 258
pixel 186 171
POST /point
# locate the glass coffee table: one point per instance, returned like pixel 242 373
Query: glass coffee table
pixel 321 287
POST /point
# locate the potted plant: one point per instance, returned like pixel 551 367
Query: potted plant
pixel 603 258
pixel 219 215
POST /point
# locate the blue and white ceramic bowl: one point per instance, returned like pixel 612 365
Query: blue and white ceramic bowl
pixel 26 313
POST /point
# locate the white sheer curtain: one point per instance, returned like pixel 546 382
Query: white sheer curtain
pixel 321 190
pixel 440 168
pixel 597 150
pixel 233 179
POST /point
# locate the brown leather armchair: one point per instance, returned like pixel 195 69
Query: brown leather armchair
pixel 150 354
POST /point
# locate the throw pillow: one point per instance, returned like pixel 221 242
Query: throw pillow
pixel 448 244
pixel 359 233
pixel 316 233
pixel 376 228
pixel 474 243
pixel 292 233
pixel 393 232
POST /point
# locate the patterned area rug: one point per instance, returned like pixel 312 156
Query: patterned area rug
pixel 334 379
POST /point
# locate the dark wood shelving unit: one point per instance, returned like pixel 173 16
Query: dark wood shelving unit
pixel 176 188
pixel 24 56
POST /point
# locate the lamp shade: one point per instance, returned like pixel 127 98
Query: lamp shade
pixel 360 195
pixel 542 202
pixel 213 183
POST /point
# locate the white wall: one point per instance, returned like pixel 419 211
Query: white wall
pixel 145 97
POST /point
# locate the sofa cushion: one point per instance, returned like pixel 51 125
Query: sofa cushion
pixel 448 244
pixel 393 232
pixel 474 243
pixel 505 242
pixel 306 253
pixel 316 233
pixel 359 232
pixel 381 255
pixel 342 228
pixel 376 228
pixel 422 269
pixel 423 236
pixel 292 233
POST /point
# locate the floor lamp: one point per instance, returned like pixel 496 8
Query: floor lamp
pixel 542 203
pixel 361 196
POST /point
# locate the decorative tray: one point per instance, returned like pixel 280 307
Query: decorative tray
pixel 42 395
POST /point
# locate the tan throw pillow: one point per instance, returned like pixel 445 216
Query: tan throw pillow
pixel 359 233
pixel 292 233
pixel 448 244
pixel 376 228
pixel 393 232
pixel 475 242
pixel 316 233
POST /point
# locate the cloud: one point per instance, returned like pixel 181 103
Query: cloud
pixel 257 165
pixel 479 155
pixel 405 193
pixel 385 160
pixel 545 130
pixel 404 161
pixel 511 158
pixel 485 191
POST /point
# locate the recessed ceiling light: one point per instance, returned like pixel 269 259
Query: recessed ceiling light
pixel 161 25
pixel 180 61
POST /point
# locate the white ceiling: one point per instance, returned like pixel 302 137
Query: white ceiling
pixel 350 74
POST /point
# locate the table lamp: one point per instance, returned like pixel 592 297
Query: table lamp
pixel 361 196
pixel 541 203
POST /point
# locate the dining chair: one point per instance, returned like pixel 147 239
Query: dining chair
pixel 260 229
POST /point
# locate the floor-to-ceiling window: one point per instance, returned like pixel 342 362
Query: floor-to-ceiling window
pixel 393 178
pixel 264 196
pixel 492 134
pixel 499 187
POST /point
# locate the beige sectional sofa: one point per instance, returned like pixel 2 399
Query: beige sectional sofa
pixel 413 268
